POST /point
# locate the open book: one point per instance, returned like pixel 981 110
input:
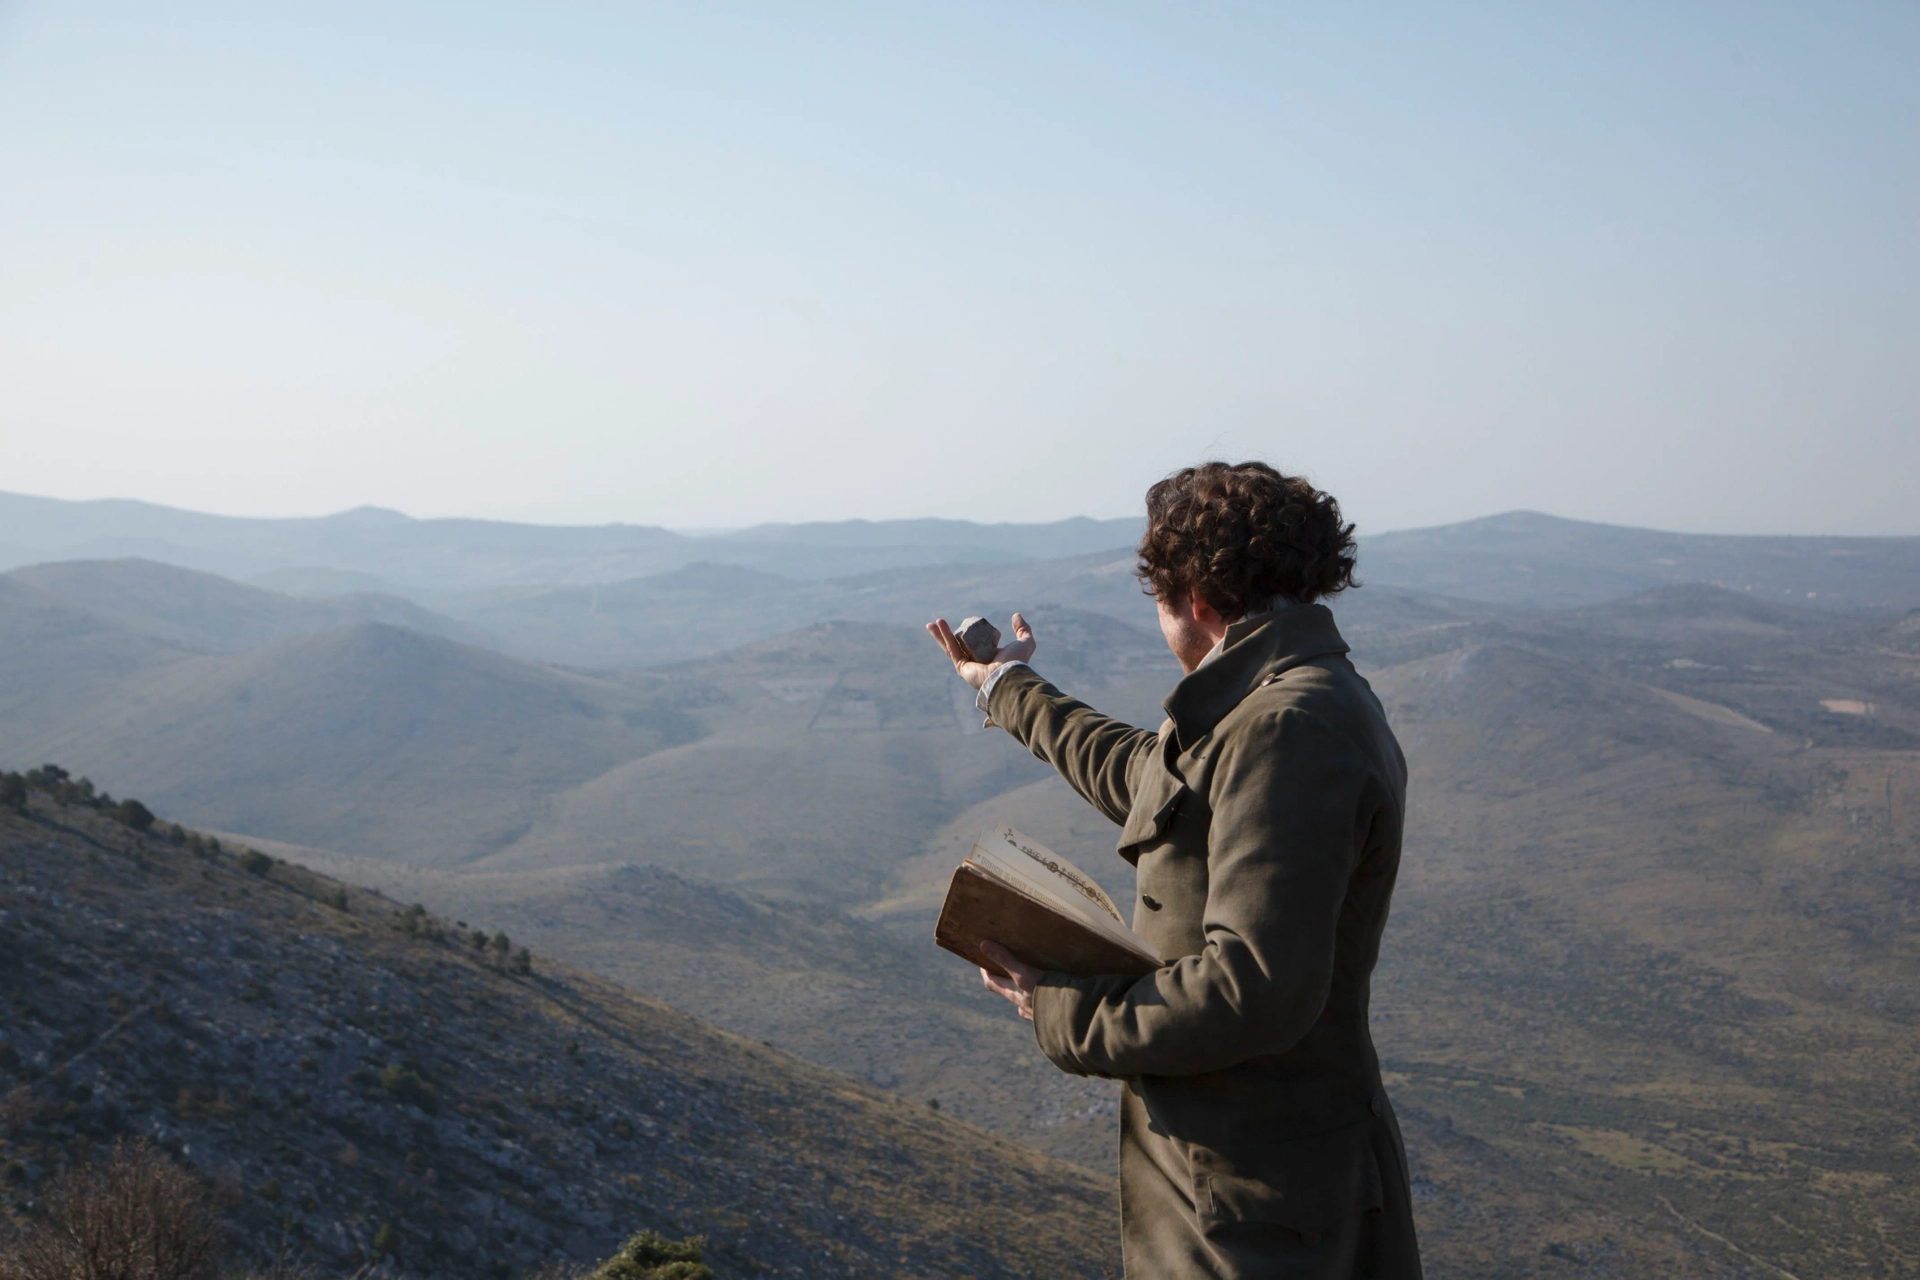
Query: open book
pixel 1015 891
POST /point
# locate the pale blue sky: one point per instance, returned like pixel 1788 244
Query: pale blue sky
pixel 720 263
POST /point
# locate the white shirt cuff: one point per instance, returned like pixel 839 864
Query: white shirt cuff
pixel 993 678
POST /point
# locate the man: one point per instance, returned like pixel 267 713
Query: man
pixel 1264 821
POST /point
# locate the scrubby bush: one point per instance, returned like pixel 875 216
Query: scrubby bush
pixel 416 923
pixel 47 777
pixel 133 814
pixel 137 1216
pixel 404 1083
pixel 651 1256
pixel 501 944
pixel 523 963
pixel 337 899
pixel 13 792
pixel 252 861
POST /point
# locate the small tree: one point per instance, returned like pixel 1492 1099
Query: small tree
pixel 501 944
pixel 651 1256
pixel 254 862
pixel 134 814
pixel 523 963
pixel 13 792
pixel 138 1216
pixel 47 777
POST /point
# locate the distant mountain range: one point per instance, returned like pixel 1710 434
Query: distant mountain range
pixel 373 549
pixel 494 568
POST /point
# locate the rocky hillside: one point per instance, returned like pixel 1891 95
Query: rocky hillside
pixel 374 1082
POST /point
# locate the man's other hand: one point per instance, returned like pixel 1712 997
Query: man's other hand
pixel 1019 987
pixel 975 673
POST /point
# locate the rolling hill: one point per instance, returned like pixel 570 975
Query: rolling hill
pixel 372 1086
pixel 1662 956
pixel 826 757
pixel 886 1009
pixel 372 738
pixel 205 613
pixel 1540 561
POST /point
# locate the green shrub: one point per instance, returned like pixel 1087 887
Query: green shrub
pixel 337 899
pixel 501 944
pixel 132 813
pixel 252 861
pixel 48 778
pixel 13 792
pixel 416 923
pixel 651 1256
pixel 523 963
pixel 404 1083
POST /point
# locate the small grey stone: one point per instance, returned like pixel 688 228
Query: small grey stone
pixel 981 637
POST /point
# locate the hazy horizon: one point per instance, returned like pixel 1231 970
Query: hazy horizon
pixel 703 267
pixel 717 531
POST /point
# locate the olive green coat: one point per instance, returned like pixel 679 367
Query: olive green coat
pixel 1264 819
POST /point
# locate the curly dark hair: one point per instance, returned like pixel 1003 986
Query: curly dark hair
pixel 1243 535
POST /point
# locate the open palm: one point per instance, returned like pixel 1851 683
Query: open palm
pixel 964 665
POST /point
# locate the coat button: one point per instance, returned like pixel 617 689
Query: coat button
pixel 1379 1105
pixel 1151 904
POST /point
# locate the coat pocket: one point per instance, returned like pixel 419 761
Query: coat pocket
pixel 1307 1185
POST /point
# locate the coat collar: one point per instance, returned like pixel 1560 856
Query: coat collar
pixel 1253 651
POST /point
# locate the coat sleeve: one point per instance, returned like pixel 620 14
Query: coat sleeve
pixel 1286 793
pixel 1094 753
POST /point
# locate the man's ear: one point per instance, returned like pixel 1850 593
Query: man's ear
pixel 1195 606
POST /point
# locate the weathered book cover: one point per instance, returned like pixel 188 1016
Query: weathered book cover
pixel 980 909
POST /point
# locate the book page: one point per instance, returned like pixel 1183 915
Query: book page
pixel 1027 863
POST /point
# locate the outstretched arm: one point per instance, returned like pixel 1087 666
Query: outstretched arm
pixel 1094 753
